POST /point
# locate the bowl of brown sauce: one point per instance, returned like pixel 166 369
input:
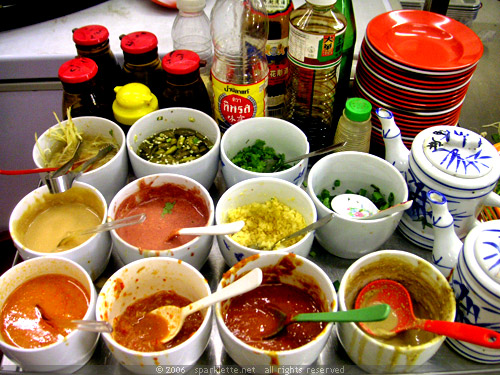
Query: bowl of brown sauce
pixel 140 287
pixel 39 298
pixel 294 285
pixel 432 298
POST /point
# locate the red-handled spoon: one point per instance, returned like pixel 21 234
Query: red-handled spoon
pixel 402 317
pixel 16 172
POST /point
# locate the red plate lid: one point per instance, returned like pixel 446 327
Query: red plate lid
pixel 424 40
pixel 181 62
pixel 90 35
pixel 139 42
pixel 77 70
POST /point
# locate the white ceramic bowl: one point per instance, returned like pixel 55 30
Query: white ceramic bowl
pixel 203 169
pixel 260 190
pixel 93 255
pixel 108 178
pixel 64 356
pixel 344 236
pixel 143 278
pixel 279 134
pixel 426 285
pixel 195 252
pixel 303 272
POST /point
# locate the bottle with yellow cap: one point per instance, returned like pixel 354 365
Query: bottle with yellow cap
pixel 133 101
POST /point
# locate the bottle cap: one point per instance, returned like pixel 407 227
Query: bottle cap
pixel 191 5
pixel 358 109
pixel 181 61
pixel 138 42
pixel 77 70
pixel 90 35
pixel 133 101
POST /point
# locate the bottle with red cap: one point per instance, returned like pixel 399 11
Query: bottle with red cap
pixel 92 41
pixel 184 86
pixel 80 91
pixel 141 62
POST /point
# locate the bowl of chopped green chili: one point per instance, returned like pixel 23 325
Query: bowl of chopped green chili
pixel 259 147
pixel 177 140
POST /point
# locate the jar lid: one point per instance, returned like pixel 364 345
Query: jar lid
pixel 138 42
pixel 191 5
pixel 77 70
pixel 133 101
pixel 180 62
pixel 358 109
pixel 322 2
pixel 90 35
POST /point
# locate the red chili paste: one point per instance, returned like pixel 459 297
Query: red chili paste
pixel 140 331
pixel 168 208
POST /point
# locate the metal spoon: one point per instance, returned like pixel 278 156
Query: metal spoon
pixel 17 172
pixel 174 316
pixel 115 224
pixel 368 314
pixel 82 325
pixel 403 318
pixel 228 228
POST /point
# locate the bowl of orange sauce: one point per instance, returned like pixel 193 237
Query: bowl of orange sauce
pixel 39 298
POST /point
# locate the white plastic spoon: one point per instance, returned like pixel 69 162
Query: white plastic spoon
pixel 228 228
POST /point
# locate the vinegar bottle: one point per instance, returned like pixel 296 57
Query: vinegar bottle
pixel 239 71
pixel 315 50
pixel 355 126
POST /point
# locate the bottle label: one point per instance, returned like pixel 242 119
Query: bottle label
pixel 315 51
pixel 277 8
pixel 234 103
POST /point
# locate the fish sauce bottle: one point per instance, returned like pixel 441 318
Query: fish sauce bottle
pixel 315 49
pixel 239 71
pixel 92 41
pixel 355 126
pixel 184 86
pixel 141 62
pixel 276 50
pixel 81 93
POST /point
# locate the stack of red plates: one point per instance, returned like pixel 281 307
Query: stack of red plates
pixel 417 64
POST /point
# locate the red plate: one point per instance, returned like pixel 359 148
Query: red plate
pixel 424 40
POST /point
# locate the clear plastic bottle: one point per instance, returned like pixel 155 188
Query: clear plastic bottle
pixel 355 126
pixel 239 71
pixel 315 50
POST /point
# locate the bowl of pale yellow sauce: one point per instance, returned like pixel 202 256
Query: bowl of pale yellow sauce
pixel 41 220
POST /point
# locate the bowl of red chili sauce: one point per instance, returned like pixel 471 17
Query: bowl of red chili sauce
pixel 170 202
pixel 294 285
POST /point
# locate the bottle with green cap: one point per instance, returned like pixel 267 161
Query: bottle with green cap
pixel 355 126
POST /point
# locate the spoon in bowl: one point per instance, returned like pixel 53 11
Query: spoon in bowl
pixel 228 228
pixel 402 317
pixel 359 207
pixel 82 325
pixel 368 314
pixel 174 316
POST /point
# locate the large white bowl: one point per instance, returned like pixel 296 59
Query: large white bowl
pixel 108 178
pixel 283 136
pixel 143 278
pixel 93 255
pixel 423 281
pixel 203 169
pixel 194 252
pixel 302 272
pixel 260 190
pixel 344 236
pixel 64 356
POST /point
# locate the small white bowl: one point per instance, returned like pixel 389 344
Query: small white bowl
pixel 195 252
pixel 108 178
pixel 69 354
pixel 93 255
pixel 260 190
pixel 143 278
pixel 302 272
pixel 283 136
pixel 203 169
pixel 344 236
pixel 426 285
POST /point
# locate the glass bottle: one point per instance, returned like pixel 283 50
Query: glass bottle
pixel 239 71
pixel 315 50
pixel 80 91
pixel 355 126
pixel 141 62
pixel 276 50
pixel 184 86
